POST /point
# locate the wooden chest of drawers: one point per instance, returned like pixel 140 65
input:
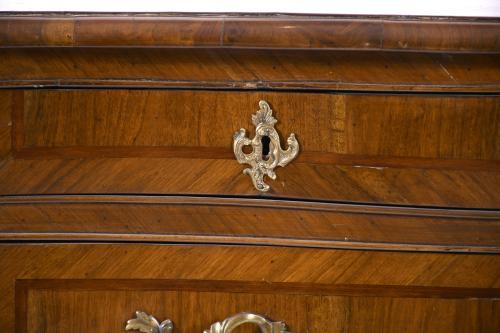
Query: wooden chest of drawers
pixel 120 190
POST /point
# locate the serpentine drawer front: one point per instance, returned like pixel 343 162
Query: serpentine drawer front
pixel 206 173
pixel 405 149
pixel 99 288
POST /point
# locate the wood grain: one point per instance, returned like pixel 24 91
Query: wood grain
pixel 142 31
pixel 440 35
pixel 303 33
pixel 441 127
pixel 6 107
pixel 248 221
pixel 372 161
pixel 249 69
pixel 399 127
pixel 252 31
pixel 406 186
pixel 417 282
pixel 261 287
pixel 302 313
pixel 37 31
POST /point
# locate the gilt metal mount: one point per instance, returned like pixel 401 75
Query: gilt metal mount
pixel 263 164
pixel 148 324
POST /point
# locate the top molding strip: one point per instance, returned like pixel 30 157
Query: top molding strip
pixel 252 31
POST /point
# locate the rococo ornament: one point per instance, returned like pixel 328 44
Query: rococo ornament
pixel 263 162
pixel 148 324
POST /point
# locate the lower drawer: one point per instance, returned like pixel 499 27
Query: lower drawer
pixel 98 287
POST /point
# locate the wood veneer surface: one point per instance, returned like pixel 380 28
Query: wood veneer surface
pixel 283 283
pixel 440 127
pixel 302 313
pixel 248 221
pixel 393 149
pixel 104 165
pixel 252 31
pixel 249 69
pixel 406 186
pixel 6 109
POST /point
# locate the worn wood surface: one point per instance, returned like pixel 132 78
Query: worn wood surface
pixel 349 290
pixel 249 69
pixel 248 221
pixel 252 31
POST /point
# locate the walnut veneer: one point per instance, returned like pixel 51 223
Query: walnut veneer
pixel 119 189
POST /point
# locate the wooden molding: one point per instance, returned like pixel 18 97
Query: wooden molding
pixel 248 69
pixel 184 219
pixel 252 31
pixel 487 214
pixel 297 288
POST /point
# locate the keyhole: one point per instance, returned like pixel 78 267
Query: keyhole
pixel 265 140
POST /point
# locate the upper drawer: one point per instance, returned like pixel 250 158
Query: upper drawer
pixel 400 148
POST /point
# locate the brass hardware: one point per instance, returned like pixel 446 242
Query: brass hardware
pixel 265 325
pixel 263 165
pixel 148 324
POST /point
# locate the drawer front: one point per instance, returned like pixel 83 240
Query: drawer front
pixel 248 221
pixel 75 288
pixel 404 126
pixel 401 149
pixel 195 308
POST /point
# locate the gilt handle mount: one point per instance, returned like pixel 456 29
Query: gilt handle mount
pixel 148 324
pixel 262 163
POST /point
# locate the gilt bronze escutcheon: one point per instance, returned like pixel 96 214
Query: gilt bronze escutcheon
pixel 267 152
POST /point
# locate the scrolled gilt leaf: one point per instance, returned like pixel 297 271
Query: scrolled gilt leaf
pixel 229 324
pixel 166 326
pixel 144 323
pixel 264 115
